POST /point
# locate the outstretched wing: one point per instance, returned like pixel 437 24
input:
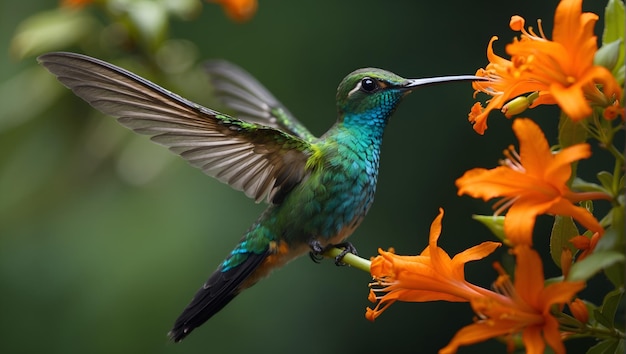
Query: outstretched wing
pixel 251 101
pixel 261 161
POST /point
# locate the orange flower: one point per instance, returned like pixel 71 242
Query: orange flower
pixel 75 3
pixel 520 307
pixel 523 307
pixel 531 183
pixel 566 261
pixel 585 244
pixel 561 70
pixel 431 276
pixel 238 10
pixel 579 310
pixel 613 111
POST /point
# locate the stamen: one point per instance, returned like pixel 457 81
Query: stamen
pixel 543 35
pixel 531 32
pixel 513 160
pixel 503 286
pixel 503 204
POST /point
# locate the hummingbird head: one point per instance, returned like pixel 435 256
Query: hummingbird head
pixel 369 96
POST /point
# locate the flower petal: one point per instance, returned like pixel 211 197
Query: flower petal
pixel 488 184
pixel 535 154
pixel 552 335
pixel 476 253
pixel 476 333
pixel 561 170
pixel 571 100
pixel 583 216
pixel 559 293
pixel 519 221
pixel 533 341
pixel 528 274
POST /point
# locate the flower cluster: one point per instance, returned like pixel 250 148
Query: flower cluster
pixel 560 71
pixel 537 180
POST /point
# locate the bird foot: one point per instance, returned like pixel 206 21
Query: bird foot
pixel 347 248
pixel 317 251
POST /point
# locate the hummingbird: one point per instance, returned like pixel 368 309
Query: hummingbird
pixel 318 189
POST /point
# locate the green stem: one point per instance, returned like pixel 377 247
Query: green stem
pixel 579 329
pixel 350 259
pixel 617 170
pixel 619 158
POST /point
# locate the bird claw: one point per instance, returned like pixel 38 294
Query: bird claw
pixel 317 251
pixel 347 248
pixel 316 257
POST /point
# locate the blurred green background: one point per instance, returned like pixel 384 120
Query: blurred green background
pixel 104 236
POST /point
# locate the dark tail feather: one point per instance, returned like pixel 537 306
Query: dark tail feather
pixel 218 291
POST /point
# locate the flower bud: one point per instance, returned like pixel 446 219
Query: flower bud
pixel 515 106
pixel 494 223
pixel 579 310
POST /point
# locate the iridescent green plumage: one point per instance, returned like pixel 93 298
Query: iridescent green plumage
pixel 318 189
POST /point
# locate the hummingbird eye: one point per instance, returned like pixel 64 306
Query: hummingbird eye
pixel 369 85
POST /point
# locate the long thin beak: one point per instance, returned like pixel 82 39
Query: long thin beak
pixel 411 84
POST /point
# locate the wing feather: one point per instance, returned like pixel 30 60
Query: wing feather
pixel 251 101
pixel 261 160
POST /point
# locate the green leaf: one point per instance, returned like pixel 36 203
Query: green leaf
pixel 610 304
pixel 614 28
pixel 606 346
pixel 614 21
pixel 571 132
pixel 584 186
pixel 617 222
pixel 608 54
pixel 609 241
pixel 587 204
pixel 50 30
pixel 563 230
pixel 615 273
pixel 606 179
pixel 613 240
pixel 585 269
pixel 621 346
pixel 602 319
pixel 493 223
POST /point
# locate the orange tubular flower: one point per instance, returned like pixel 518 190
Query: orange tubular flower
pixel 585 244
pixel 561 70
pixel 238 10
pixel 523 307
pixel 431 276
pixel 520 307
pixel 579 310
pixel 75 3
pixel 531 183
